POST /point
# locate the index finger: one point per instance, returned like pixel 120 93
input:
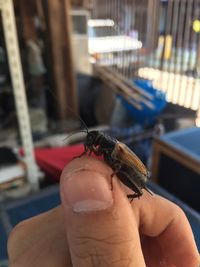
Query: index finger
pixel 165 232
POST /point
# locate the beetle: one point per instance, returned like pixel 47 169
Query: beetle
pixel 125 164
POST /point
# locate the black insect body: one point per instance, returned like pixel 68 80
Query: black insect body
pixel 128 167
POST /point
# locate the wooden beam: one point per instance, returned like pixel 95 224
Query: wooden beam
pixel 62 62
pixel 122 86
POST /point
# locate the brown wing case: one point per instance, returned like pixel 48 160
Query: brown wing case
pixel 125 155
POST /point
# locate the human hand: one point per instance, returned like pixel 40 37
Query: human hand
pixel 97 226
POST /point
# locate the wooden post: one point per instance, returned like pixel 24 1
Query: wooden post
pixel 62 62
pixel 78 3
pixel 27 16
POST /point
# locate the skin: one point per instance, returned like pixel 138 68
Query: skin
pixel 151 231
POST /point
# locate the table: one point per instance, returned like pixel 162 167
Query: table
pixel 176 164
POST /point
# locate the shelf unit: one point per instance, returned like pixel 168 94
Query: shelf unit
pixel 15 67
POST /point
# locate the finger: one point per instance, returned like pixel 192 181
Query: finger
pixel 39 241
pixel 100 227
pixel 167 235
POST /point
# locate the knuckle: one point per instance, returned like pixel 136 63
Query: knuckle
pixel 178 211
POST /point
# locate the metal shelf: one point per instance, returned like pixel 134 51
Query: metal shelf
pixel 10 32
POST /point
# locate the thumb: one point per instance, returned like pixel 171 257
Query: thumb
pixel 101 228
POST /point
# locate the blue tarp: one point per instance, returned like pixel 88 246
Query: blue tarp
pixel 147 116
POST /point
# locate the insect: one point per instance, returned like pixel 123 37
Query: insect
pixel 125 164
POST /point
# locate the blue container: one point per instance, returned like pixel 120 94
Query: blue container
pixel 147 116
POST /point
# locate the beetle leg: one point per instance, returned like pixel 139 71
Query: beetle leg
pixel 94 150
pixel 82 154
pixel 111 178
pixel 97 151
pixel 132 196
pixel 125 178
pixel 116 169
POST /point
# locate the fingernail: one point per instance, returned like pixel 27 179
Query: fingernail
pixel 87 191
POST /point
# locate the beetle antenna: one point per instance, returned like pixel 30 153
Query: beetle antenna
pixel 84 124
pixel 76 115
pixel 151 193
pixel 73 133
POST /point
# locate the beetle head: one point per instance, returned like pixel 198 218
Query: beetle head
pixel 91 138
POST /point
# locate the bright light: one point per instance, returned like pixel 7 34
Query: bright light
pixel 180 89
pixel 198 122
pixel 196 25
pixel 113 44
pixel 100 22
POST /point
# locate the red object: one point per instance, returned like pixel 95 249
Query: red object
pixel 53 160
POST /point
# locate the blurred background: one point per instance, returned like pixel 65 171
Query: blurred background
pixel 128 68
